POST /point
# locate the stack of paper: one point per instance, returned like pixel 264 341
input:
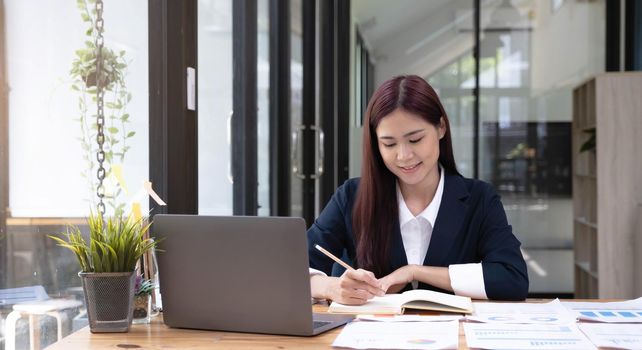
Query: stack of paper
pixel 399 335
pixel 505 326
pixel 552 313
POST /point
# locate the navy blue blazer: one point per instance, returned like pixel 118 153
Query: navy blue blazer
pixel 471 227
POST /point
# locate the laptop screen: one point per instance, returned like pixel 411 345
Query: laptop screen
pixel 235 273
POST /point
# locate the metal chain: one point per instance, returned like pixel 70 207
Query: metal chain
pixel 100 115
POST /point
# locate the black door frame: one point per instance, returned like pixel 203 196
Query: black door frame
pixel 334 94
pixel 327 97
pixel 308 108
pixel 279 101
pixel 244 119
pixel 173 129
pixel 342 168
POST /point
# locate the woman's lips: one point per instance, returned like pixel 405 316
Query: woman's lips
pixel 410 168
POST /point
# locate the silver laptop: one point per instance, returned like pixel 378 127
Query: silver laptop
pixel 237 273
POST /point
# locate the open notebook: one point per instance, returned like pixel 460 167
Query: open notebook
pixel 413 299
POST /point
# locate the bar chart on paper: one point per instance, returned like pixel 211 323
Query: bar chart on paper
pixel 629 311
pixel 525 336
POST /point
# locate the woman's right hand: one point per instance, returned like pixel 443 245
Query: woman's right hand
pixel 354 287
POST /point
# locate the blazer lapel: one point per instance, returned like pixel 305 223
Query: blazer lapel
pixel 449 219
pixel 398 253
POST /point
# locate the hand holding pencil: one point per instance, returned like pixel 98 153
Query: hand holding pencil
pixel 354 286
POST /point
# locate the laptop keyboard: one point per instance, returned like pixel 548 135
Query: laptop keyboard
pixel 317 324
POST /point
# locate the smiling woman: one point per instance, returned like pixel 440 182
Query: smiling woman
pixel 411 220
pixel 409 147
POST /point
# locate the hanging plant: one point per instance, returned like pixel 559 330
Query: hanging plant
pixel 116 99
pixel 84 66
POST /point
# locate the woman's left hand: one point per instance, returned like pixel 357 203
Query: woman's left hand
pixel 398 279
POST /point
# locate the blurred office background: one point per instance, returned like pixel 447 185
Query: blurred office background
pixel 280 91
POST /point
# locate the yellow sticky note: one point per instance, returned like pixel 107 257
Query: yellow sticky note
pixel 136 211
pixel 117 170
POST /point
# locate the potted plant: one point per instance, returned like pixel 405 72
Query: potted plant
pixel 142 300
pixel 108 263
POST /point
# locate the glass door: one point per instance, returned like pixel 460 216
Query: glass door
pixel 305 147
pixel 214 96
pixel 296 107
pixel 233 107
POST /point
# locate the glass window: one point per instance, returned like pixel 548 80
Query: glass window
pixel 52 166
pixel 263 113
pixel 532 58
pixel 454 84
pixel 51 110
pixel 296 101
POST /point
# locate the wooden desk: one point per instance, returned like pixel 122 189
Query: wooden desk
pixel 158 336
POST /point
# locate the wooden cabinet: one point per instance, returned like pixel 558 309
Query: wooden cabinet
pixel 607 186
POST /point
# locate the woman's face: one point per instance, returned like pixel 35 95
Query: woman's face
pixel 409 146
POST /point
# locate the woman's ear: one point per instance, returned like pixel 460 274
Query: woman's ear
pixel 442 128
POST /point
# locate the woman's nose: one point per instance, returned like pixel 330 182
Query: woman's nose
pixel 405 152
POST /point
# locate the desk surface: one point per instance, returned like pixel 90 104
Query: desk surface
pixel 158 336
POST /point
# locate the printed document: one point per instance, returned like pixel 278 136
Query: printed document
pixel 629 311
pixel 399 335
pixel 618 336
pixel 525 336
pixel 552 313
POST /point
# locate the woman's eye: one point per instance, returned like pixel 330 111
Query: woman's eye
pixel 417 140
pixel 388 145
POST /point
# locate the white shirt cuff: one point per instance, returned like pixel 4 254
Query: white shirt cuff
pixel 468 280
pixel 314 272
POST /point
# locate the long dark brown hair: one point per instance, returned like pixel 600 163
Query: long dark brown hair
pixel 376 209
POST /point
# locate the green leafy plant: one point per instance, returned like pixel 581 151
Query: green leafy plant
pixel 115 245
pixel 116 98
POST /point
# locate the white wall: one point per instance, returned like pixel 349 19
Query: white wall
pixel 567 47
pixel 428 44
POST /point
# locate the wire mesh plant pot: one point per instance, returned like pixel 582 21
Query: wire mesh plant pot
pixel 109 298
